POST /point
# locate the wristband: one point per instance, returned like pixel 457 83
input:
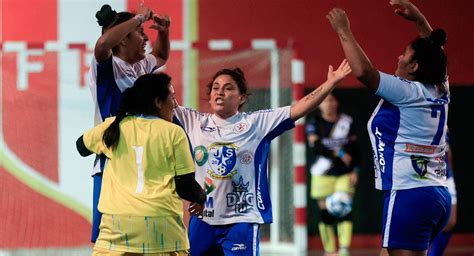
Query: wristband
pixel 140 18
pixel 341 153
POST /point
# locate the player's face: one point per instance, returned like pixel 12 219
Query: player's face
pixel 405 64
pixel 136 45
pixel 166 110
pixel 225 97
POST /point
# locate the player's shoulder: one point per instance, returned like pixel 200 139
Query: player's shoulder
pixel 190 111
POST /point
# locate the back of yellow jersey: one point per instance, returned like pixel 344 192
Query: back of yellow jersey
pixel 138 179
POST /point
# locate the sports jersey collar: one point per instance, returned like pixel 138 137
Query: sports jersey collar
pixel 230 120
pixel 118 59
pixel 147 116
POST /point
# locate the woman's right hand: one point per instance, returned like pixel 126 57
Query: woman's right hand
pixel 196 209
pixel 145 11
pixel 335 76
pixel 409 11
pixel 339 20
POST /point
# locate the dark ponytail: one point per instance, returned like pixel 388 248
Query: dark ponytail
pixel 112 133
pixel 431 58
pixel 136 100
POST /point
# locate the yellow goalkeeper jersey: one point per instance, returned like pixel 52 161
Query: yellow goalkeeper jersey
pixel 139 176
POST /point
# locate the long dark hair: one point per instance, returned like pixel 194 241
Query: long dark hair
pixel 136 100
pixel 237 75
pixel 431 58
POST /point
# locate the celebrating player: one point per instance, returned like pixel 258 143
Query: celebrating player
pixel 231 150
pixel 119 59
pixel 150 167
pixel 407 131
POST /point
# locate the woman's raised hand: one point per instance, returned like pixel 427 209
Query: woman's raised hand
pixel 339 20
pixel 145 11
pixel 408 11
pixel 340 73
pixel 161 22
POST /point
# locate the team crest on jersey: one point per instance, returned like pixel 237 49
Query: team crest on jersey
pixel 222 160
pixel 200 155
pixel 420 164
pixel 240 127
pixel 245 157
pixel 240 198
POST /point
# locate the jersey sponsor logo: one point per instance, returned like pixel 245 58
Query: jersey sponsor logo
pixel 209 202
pixel 260 203
pixel 208 205
pixel 245 157
pixel 441 172
pixel 262 111
pixel 240 198
pixel 374 157
pixel 208 129
pixel 209 185
pixel 240 127
pixel 200 155
pixel 238 247
pixel 380 163
pixel 420 164
pixel 421 149
pixel 441 101
pixel 222 160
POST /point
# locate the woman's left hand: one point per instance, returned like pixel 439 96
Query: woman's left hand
pixel 161 22
pixel 339 20
pixel 340 73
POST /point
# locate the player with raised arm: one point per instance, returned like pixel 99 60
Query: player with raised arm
pixel 119 59
pixel 231 151
pixel 407 132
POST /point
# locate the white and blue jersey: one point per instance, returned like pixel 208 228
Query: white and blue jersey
pixel 231 161
pixel 407 132
pixel 109 79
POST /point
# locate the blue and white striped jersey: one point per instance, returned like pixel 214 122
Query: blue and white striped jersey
pixel 407 131
pixel 109 79
pixel 231 161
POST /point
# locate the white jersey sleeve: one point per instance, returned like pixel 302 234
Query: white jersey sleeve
pixel 397 90
pixel 269 119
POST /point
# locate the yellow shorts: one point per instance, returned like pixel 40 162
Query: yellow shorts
pixel 143 235
pixel 324 185
pixel 104 252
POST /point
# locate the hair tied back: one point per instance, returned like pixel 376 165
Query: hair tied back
pixel 105 16
pixel 438 37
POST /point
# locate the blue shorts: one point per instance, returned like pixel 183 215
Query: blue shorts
pixel 96 215
pixel 232 239
pixel 413 217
